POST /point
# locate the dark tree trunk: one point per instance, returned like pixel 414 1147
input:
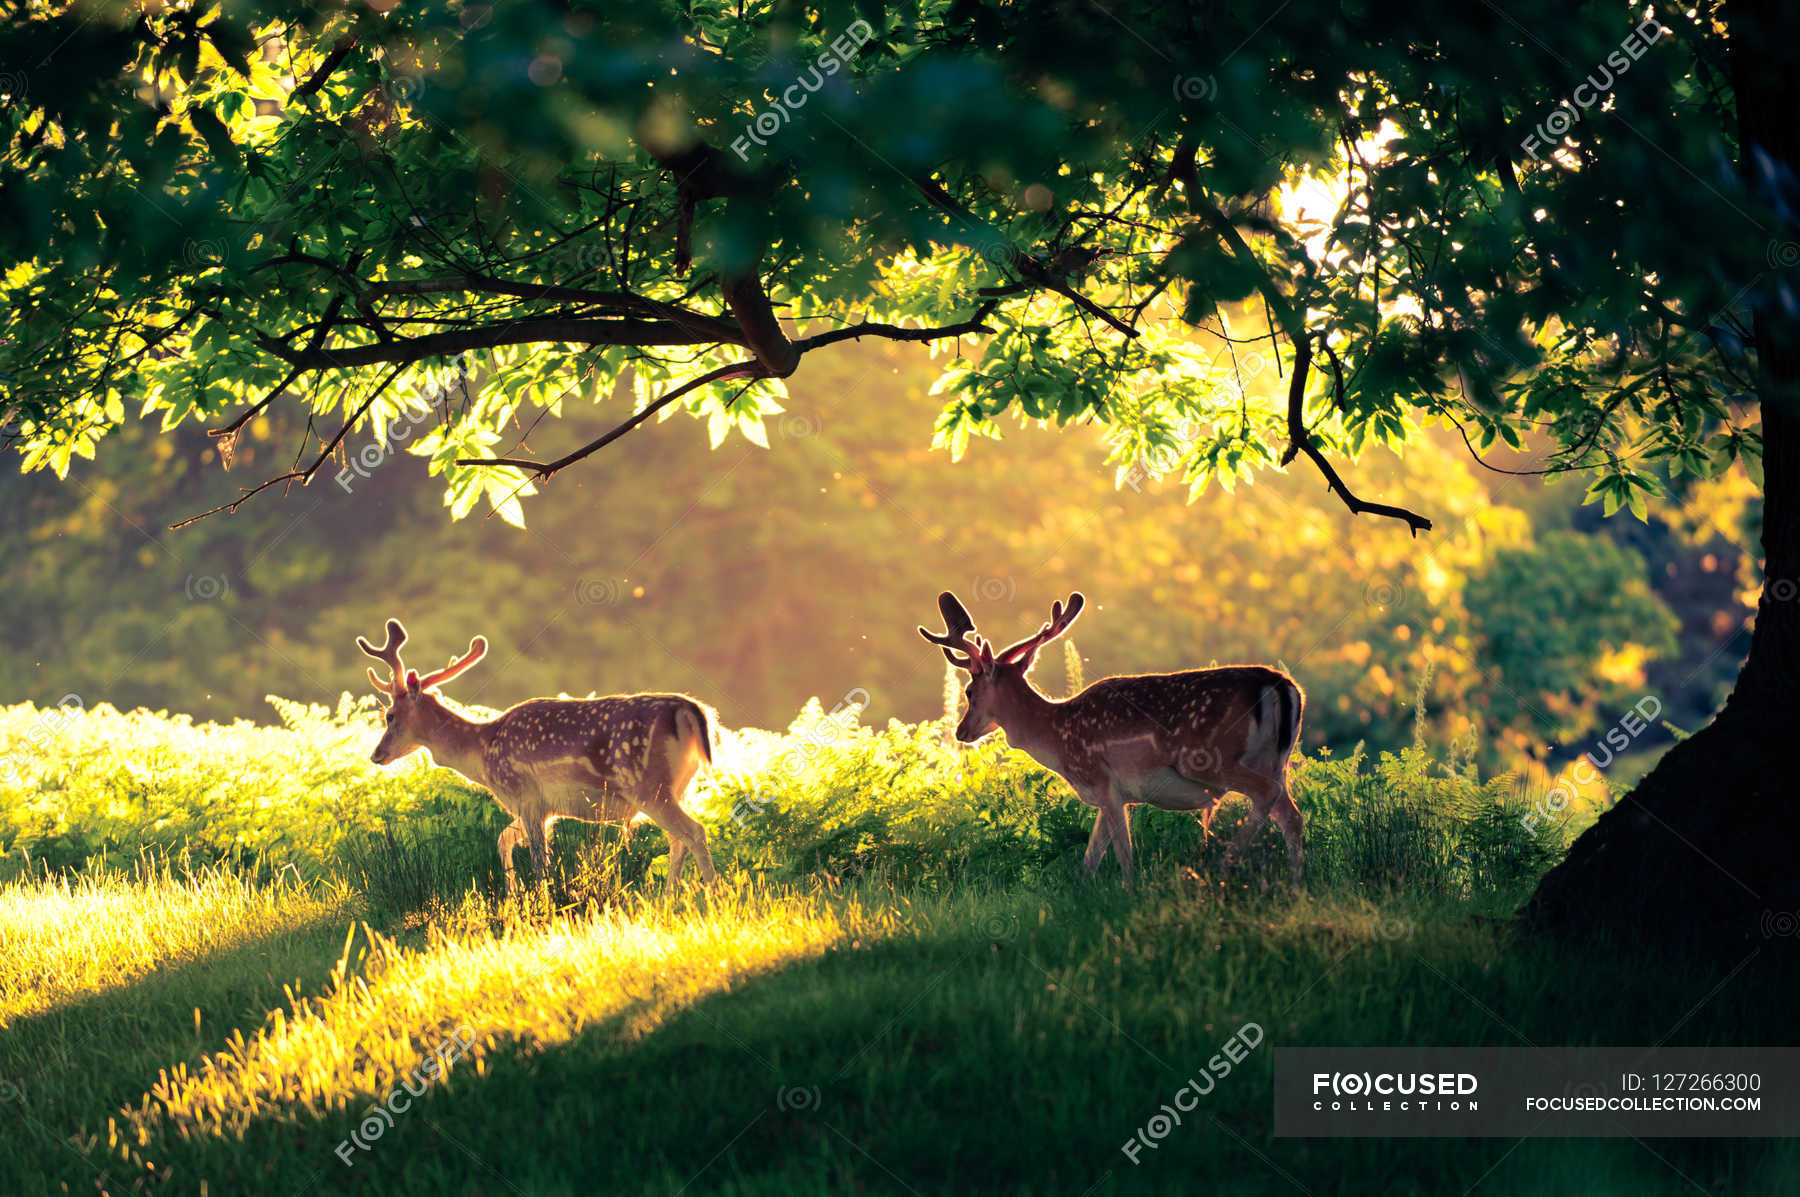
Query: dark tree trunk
pixel 1706 849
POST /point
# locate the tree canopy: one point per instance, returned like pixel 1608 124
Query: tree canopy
pixel 829 542
pixel 482 213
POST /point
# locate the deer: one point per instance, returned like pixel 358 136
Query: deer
pixel 1175 741
pixel 614 759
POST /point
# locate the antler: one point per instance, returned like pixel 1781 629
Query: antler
pixel 390 654
pixel 962 648
pixel 1060 619
pixel 477 650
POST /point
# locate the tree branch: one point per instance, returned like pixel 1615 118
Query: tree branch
pixel 230 430
pixel 752 370
pixel 760 327
pixel 1299 439
pixel 303 476
pixel 406 350
pixel 894 332
pixel 327 66
pixel 483 284
pixel 1026 266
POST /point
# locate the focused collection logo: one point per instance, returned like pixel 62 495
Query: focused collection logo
pixel 1395 1092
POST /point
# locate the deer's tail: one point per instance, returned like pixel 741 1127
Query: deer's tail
pixel 1287 728
pixel 694 724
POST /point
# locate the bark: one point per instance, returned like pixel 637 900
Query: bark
pixel 1706 850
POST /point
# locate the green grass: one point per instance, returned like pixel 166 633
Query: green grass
pixel 903 985
pixel 764 1040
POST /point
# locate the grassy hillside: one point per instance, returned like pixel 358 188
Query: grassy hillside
pixel 903 985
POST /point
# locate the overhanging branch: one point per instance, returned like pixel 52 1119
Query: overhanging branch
pixel 758 325
pixel 1026 266
pixel 302 476
pixel 894 332
pixel 543 469
pixel 750 370
pixel 406 350
pixel 1299 439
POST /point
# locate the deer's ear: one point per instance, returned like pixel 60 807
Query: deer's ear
pixel 412 681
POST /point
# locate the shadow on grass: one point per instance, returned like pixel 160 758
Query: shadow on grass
pixel 1018 1054
pixel 68 1068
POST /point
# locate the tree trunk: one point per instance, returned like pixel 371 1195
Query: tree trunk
pixel 1706 849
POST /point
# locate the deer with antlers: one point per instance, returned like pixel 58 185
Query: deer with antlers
pixel 1176 741
pixel 595 759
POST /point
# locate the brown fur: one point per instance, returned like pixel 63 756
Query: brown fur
pixel 595 759
pixel 1176 741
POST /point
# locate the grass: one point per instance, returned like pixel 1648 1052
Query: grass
pixel 769 1040
pixel 904 985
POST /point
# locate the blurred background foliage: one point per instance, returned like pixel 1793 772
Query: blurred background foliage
pixel 757 579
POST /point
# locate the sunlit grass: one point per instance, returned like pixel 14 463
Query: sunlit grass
pixel 902 972
pixel 69 937
pixel 895 1032
pixel 531 986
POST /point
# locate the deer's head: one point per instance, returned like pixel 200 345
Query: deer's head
pixel 996 680
pixel 413 706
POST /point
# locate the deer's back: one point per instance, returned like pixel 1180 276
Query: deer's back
pixel 1171 704
pixel 610 736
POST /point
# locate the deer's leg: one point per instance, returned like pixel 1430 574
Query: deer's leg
pixel 696 843
pixel 538 829
pixel 1098 842
pixel 685 836
pixel 1287 817
pixel 677 858
pixel 511 838
pixel 1118 816
pixel 1260 803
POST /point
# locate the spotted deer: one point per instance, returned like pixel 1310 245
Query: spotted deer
pixel 1175 741
pixel 595 759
